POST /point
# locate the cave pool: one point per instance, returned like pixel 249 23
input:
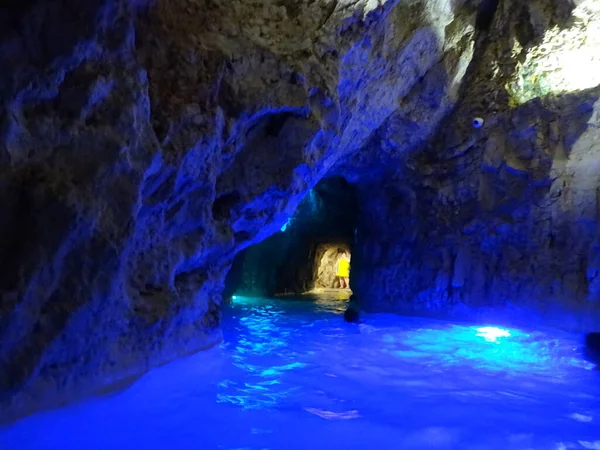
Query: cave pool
pixel 291 374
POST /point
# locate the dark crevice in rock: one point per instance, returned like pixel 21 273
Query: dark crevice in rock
pixel 275 123
pixel 174 210
pixel 524 28
pixel 222 206
pixel 227 99
pixel 562 14
pixel 212 319
pixel 485 14
pixel 188 283
pixel 158 187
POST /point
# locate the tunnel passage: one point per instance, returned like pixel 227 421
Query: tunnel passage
pixel 305 253
pixel 328 265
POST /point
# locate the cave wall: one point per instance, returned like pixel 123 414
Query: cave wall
pixel 499 223
pixel 143 144
pixel 288 261
pixel 516 240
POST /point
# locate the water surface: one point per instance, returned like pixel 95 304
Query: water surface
pixel 292 375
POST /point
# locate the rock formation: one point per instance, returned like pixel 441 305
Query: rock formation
pixel 501 222
pixel 144 143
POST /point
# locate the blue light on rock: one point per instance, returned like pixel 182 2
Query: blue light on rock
pixel 286 225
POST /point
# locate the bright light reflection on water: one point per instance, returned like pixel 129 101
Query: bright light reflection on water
pixel 292 375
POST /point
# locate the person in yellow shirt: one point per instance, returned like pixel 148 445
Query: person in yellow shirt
pixel 343 270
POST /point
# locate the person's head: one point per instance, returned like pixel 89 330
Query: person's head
pixel 591 349
pixel 592 346
pixel 351 315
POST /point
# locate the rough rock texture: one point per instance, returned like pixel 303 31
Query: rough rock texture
pixel 290 260
pixel 501 222
pixel 143 143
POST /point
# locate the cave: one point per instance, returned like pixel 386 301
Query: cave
pixel 179 180
pixel 304 255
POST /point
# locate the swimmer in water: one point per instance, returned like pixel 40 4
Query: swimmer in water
pixel 351 315
pixel 592 348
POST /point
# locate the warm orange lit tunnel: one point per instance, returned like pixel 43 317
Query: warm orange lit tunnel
pixel 332 266
pixel 312 252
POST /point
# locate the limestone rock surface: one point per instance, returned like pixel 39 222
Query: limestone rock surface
pixel 143 144
pixel 499 223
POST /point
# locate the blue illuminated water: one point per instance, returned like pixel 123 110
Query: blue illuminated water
pixel 292 375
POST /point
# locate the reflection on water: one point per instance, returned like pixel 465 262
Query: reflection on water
pixel 292 375
pixel 259 346
pixel 488 348
pixel 260 338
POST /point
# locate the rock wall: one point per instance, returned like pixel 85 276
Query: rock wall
pixel 143 144
pixel 499 223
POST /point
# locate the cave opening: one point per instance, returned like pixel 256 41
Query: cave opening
pixel 332 266
pixel 311 253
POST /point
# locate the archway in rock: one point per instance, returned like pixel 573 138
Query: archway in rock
pixel 327 258
pixel 303 255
